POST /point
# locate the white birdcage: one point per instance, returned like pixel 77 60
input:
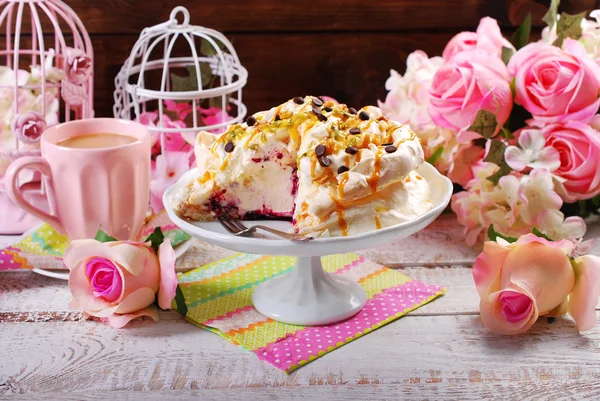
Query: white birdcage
pixel 209 53
pixel 46 76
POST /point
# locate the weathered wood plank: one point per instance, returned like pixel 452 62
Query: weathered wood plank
pixel 524 390
pixel 439 357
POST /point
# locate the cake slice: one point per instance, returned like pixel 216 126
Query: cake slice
pixel 332 170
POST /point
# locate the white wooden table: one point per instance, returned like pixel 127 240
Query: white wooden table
pixel 440 351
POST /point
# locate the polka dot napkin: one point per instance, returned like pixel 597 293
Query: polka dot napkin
pixel 218 298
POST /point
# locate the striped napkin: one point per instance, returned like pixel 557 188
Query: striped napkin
pixel 218 298
pixel 44 247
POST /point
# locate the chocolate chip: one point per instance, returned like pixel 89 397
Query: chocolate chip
pixel 320 150
pixel 342 169
pixel 277 118
pixel 229 147
pixel 354 131
pixel 351 150
pixel 317 102
pixel 391 149
pixel 298 100
pixel 387 144
pixel 324 161
pixel 327 109
pixel 352 110
pixel 363 115
pixel 250 121
pixel 319 115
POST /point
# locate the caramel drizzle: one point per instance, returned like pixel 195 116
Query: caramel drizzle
pixel 377 222
pixel 225 162
pixel 343 182
pixel 347 160
pixel 374 178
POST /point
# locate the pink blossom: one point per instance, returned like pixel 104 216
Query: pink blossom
pixel 464 160
pixel 78 66
pixel 532 152
pixel 469 82
pixel 488 37
pixel 556 85
pixel 168 168
pixel 578 147
pixel 28 127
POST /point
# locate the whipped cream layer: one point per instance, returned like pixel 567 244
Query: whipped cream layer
pixel 354 168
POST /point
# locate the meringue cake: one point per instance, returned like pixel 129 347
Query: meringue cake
pixel 330 169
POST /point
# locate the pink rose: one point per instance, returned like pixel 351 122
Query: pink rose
pixel 488 37
pixel 469 82
pixel 79 66
pixel 466 158
pixel 119 280
pixel 556 85
pixel 28 127
pixel 578 146
pixel 534 277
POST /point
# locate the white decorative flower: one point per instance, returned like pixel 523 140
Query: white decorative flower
pixel 532 152
pixel 407 102
pixel 408 95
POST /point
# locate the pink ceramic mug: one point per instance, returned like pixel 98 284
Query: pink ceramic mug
pixel 89 189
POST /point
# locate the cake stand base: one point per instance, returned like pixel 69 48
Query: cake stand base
pixel 309 296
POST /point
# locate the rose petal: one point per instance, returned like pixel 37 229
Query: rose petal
pixel 79 285
pixel 120 320
pixel 492 317
pixel 542 270
pixel 487 267
pixel 135 255
pixel 584 298
pixel 81 250
pixel 168 277
pixel 135 301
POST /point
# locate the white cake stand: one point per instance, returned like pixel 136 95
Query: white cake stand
pixel 308 295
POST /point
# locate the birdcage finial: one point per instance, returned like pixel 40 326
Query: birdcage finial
pixel 180 10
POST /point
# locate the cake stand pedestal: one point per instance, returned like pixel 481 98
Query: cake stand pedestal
pixel 308 295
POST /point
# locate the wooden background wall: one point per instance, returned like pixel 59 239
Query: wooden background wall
pixel 340 48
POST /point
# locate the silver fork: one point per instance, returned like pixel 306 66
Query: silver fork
pixel 237 228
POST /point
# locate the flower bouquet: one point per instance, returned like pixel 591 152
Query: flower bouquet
pixel 515 126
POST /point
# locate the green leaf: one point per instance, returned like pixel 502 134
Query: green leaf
pixel 180 302
pixel 190 83
pixel 550 16
pixel 485 124
pixel 209 50
pixel 502 171
pixel 496 156
pixel 218 102
pixel 104 237
pixel 156 238
pixel 568 26
pixel 435 156
pixel 521 36
pixel 596 201
pixel 540 234
pixel 505 133
pixel 496 153
pixel 493 235
pixel 507 53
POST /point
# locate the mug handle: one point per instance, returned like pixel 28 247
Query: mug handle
pixel 15 194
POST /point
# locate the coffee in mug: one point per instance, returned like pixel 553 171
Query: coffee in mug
pixel 97 176
pixel 97 141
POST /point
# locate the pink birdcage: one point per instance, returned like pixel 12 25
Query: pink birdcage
pixel 46 76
